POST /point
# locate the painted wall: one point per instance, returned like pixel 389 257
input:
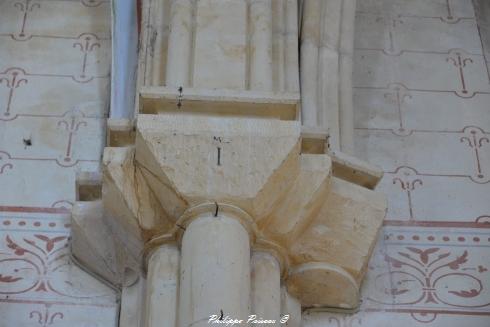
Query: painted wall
pixel 422 112
pixel 54 98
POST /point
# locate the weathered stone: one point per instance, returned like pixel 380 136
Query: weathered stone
pixel 248 162
pixel 344 230
pixel 219 183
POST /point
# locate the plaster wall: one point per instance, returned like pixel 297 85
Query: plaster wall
pixel 422 112
pixel 54 95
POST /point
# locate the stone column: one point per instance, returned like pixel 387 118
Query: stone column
pixel 215 270
pixel 162 287
pixel 310 38
pixel 180 43
pixel 266 287
pixel 124 59
pixel 328 70
pixel 291 307
pixel 132 310
pixel 346 50
pixel 157 61
pixel 261 45
pixel 292 54
pixel 327 42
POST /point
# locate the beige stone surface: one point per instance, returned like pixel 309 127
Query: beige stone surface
pixel 220 165
pixel 127 196
pixel 354 170
pixel 220 44
pixel 242 45
pixel 343 231
pixel 250 104
pixel 120 132
pixel 214 275
pixel 310 220
pixel 133 304
pixel 247 162
pixel 319 284
pixel 327 41
pixel 217 181
pixel 92 244
pixel 265 286
pixel 162 287
pixel 291 307
pixel 302 202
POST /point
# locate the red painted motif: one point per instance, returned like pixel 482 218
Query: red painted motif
pixel 87 43
pixel 45 318
pixel 62 204
pixel 39 286
pixel 391 23
pixel 427 275
pixel 71 125
pixel 475 138
pixel 397 96
pixel 29 265
pixel 12 78
pixel 408 180
pixel 4 162
pixel 459 60
pixel 26 7
pixel 345 321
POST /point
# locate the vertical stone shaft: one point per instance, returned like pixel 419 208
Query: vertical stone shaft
pixel 157 61
pixel 279 45
pixel 327 43
pixel 162 287
pixel 132 309
pixel 328 68
pixel 310 38
pixel 290 306
pixel 346 93
pixel 266 287
pixel 180 43
pixel 215 271
pixel 260 45
pixel 292 53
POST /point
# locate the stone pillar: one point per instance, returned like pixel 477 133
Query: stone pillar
pixel 132 311
pixel 157 61
pixel 346 50
pixel 292 54
pixel 310 38
pixel 327 43
pixel 261 45
pixel 124 58
pixel 162 287
pixel 266 287
pixel 180 43
pixel 215 270
pixel 328 70
pixel 291 307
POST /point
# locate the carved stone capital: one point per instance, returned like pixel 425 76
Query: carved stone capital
pixel 320 227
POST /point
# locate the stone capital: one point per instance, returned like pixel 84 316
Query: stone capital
pixel 321 227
